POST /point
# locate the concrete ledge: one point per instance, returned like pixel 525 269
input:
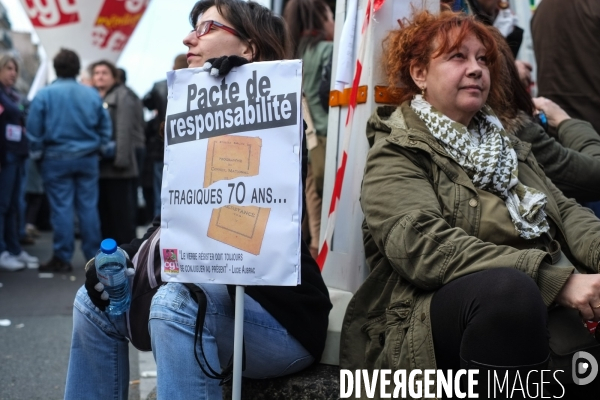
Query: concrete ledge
pixel 340 300
pixel 319 382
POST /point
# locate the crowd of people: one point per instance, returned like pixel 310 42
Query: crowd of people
pixel 81 147
pixel 479 250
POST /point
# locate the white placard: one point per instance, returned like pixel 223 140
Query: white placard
pixel 231 198
pixel 14 132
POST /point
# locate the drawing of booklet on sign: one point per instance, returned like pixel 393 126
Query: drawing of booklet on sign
pixel 242 227
pixel 230 157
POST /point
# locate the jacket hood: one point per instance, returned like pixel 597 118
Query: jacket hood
pixel 376 125
pixel 513 125
pixel 397 122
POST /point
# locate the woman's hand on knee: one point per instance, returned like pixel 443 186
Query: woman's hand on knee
pixel 582 292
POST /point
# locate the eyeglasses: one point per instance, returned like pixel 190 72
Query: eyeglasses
pixel 206 26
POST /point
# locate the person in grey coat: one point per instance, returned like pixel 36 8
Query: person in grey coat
pixel 118 174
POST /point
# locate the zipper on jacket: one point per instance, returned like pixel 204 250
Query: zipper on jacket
pixel 559 227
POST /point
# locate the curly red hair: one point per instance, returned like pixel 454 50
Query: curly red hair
pixel 413 44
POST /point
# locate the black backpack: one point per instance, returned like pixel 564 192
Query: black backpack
pixel 146 282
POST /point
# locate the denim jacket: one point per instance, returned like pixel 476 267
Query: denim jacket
pixel 66 120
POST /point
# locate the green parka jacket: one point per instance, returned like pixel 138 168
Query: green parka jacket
pixel 572 161
pixel 423 228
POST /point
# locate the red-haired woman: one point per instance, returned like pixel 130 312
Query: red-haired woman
pixel 462 228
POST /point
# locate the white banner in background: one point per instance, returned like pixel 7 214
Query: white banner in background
pixel 231 194
pixel 94 29
pixel 345 62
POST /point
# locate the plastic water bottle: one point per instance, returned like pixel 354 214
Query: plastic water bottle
pixel 111 267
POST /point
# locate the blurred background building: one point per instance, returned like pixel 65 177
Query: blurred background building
pixel 21 45
pixel 5 26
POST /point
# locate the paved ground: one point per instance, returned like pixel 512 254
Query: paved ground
pixel 34 348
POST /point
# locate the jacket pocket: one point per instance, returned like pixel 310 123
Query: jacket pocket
pixel 410 246
pixel 385 335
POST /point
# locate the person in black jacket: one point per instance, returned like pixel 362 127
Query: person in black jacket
pixel 284 327
pixel 119 174
pixel 156 100
pixel 13 153
pixel 497 13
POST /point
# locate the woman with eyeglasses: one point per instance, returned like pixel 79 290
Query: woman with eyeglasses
pixel 284 327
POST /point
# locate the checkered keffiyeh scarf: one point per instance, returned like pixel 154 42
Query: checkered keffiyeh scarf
pixel 483 150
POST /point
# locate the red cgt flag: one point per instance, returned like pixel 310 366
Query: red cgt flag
pixel 116 21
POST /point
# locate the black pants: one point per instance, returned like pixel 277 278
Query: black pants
pixel 495 317
pixel 34 205
pixel 117 209
pixel 140 156
pixel 496 320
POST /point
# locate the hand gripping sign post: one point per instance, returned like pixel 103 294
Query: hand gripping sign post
pixel 231 194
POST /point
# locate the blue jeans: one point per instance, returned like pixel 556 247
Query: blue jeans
pixel 11 175
pixel 69 184
pixel 158 173
pixel 98 365
pixel 22 202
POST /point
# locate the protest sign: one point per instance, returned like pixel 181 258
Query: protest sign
pixel 231 193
